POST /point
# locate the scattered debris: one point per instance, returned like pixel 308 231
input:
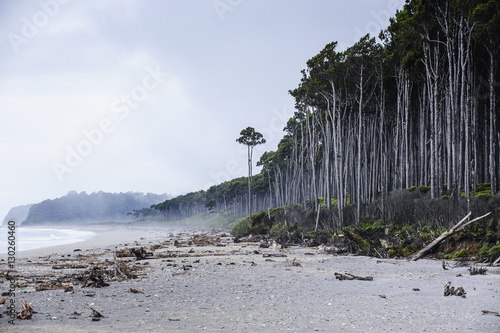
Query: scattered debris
pixel 141 254
pixel 26 312
pixel 450 290
pixel 136 291
pixel 415 289
pixel 348 276
pixel 93 278
pixel 381 296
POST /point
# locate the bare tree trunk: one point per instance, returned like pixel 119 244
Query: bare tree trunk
pixel 457 227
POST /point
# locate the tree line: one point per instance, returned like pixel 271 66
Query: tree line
pixel 418 108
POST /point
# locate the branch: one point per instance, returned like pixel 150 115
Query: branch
pixel 457 227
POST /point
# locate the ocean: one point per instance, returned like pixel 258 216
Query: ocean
pixel 37 238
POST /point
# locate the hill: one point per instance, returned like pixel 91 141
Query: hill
pixel 82 208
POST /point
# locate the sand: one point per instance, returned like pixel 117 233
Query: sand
pixel 223 286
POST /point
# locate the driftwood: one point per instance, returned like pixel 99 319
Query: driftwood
pixel 69 266
pixel 348 276
pixel 496 313
pixel 26 312
pixel 449 290
pixel 141 254
pixel 136 291
pixel 459 226
pixel 279 255
pixel 53 286
pixel 496 261
pixel 476 270
pixel 93 278
pixel 96 315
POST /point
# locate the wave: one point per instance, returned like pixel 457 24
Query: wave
pixel 37 238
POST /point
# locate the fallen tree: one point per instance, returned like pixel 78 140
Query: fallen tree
pixel 456 228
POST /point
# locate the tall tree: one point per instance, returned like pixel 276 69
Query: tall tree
pixel 250 138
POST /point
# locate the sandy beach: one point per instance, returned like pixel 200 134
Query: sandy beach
pixel 202 281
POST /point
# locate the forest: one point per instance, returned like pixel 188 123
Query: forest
pixel 402 129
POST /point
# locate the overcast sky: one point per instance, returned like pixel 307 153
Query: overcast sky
pixel 150 96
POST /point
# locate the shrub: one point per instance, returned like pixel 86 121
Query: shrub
pixel 489 252
pixel 243 227
pixel 424 189
pixel 461 254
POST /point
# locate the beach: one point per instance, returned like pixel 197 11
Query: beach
pixel 200 280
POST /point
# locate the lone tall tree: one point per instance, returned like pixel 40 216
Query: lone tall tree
pixel 250 138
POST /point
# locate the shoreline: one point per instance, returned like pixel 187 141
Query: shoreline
pixel 202 281
pixel 106 235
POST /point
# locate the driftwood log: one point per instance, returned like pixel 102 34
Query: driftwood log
pixel 348 276
pixel 456 228
pixel 496 313
pixel 53 286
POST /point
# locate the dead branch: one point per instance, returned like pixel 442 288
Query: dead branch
pixel 26 312
pixel 348 276
pixel 496 313
pixel 459 226
pixel 96 315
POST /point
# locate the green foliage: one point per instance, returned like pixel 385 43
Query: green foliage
pixel 243 227
pixel 461 254
pixel 424 189
pixel 489 252
pixel 369 223
pixel 278 229
pixel 250 137
pixel 363 245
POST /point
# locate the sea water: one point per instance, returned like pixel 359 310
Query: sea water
pixel 36 238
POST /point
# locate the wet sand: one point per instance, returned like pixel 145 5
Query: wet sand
pixel 208 283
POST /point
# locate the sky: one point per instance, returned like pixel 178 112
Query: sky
pixel 150 96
